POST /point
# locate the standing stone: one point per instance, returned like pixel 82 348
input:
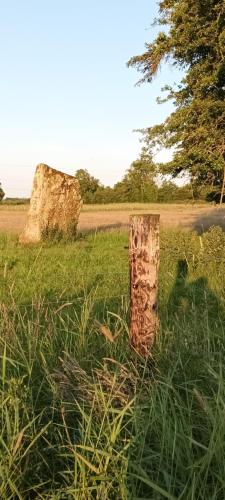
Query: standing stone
pixel 54 207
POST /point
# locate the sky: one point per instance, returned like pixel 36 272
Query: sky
pixel 67 98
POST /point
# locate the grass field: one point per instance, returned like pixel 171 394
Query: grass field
pixel 81 416
pixel 186 216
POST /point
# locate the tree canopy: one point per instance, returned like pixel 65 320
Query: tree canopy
pixel 138 183
pixel 195 42
pixel 88 184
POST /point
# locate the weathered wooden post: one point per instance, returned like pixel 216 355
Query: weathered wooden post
pixel 144 269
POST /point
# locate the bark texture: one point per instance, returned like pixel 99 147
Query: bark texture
pixel 144 270
pixel 54 207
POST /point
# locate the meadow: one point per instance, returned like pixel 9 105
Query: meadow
pixel 82 417
pixel 195 216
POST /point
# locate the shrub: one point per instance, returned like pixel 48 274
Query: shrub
pixel 2 194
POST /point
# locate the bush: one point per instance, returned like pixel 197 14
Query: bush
pixel 169 192
pixel 16 201
pixel 2 194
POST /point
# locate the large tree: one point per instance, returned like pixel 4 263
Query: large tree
pixel 195 42
pixel 2 194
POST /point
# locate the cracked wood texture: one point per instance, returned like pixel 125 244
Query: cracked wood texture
pixel 144 270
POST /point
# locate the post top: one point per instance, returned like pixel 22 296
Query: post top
pixel 146 216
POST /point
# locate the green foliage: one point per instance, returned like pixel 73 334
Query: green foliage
pixel 89 185
pixel 81 417
pixel 213 243
pixel 167 192
pixel 195 43
pixel 170 192
pixel 104 195
pixel 16 201
pixel 138 183
pixel 2 194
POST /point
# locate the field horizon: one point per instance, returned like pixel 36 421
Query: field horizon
pixel 191 216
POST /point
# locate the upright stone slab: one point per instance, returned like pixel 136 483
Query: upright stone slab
pixel 54 207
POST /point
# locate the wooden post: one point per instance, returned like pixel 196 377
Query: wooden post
pixel 144 269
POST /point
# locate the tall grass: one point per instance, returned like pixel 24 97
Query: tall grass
pixel 81 416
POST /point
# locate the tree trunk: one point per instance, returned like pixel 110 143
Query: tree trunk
pixel 144 268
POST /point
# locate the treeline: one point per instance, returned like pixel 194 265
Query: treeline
pixel 2 194
pixel 139 185
pixel 15 201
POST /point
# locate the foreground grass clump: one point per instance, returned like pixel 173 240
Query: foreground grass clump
pixel 81 416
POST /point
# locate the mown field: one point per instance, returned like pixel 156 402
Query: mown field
pixel 195 216
pixel 81 416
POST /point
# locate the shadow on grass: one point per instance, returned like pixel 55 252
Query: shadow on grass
pixel 186 402
pixel 213 218
pixel 188 296
pixel 192 324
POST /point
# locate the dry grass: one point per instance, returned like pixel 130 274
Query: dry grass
pixel 189 216
pixel 134 207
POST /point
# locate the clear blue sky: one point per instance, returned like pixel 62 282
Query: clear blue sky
pixel 66 96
